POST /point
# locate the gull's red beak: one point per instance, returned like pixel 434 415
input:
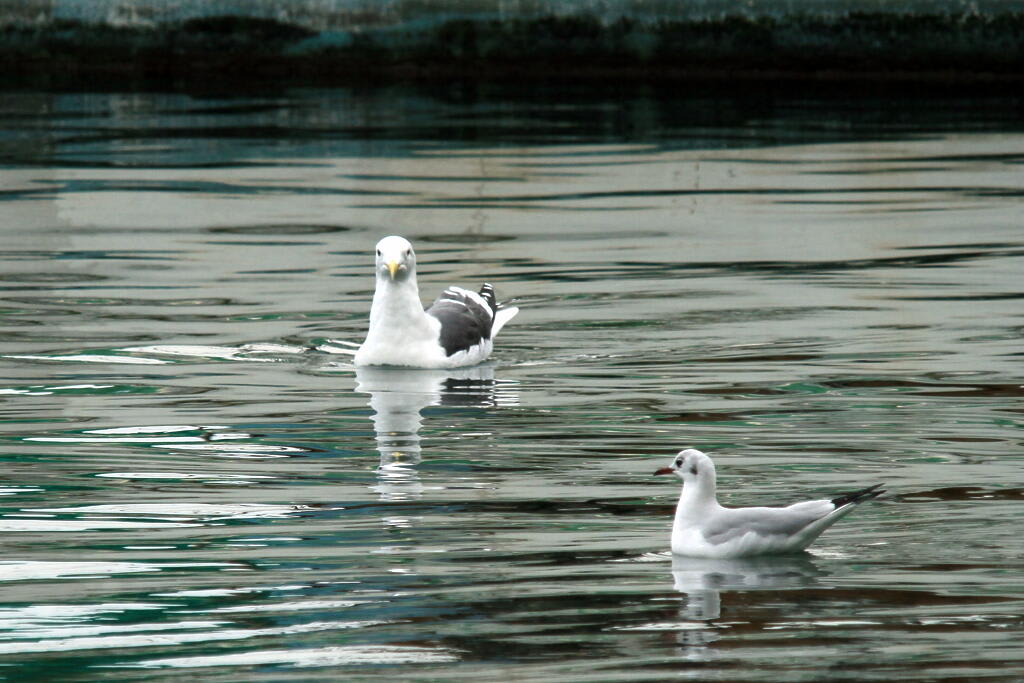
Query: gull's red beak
pixel 665 470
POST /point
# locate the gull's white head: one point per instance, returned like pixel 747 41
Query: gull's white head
pixel 690 465
pixel 396 261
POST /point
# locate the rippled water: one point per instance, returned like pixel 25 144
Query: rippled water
pixel 823 293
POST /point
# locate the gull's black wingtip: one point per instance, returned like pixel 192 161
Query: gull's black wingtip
pixel 488 295
pixel 858 496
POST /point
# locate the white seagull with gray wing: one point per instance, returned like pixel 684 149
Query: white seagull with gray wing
pixel 457 330
pixel 703 528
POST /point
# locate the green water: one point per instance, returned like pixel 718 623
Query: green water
pixel 822 293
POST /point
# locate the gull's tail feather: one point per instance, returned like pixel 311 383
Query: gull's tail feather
pixel 858 496
pixel 502 316
pixel 502 313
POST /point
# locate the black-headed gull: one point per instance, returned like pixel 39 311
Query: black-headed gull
pixel 703 528
pixel 457 330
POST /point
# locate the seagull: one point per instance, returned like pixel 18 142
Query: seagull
pixel 703 528
pixel 457 330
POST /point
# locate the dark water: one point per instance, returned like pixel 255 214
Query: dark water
pixel 821 292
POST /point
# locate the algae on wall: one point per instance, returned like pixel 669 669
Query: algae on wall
pixel 361 14
pixel 511 38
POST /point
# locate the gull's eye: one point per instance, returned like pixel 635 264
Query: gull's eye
pixel 378 252
pixel 408 253
pixel 679 463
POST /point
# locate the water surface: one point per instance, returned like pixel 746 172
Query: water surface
pixel 823 293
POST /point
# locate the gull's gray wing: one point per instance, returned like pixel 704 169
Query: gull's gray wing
pixel 729 523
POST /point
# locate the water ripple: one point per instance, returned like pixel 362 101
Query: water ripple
pixel 198 481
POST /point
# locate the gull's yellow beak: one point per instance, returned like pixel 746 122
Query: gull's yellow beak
pixel 392 268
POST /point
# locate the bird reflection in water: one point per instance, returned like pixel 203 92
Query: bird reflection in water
pixel 704 581
pixel 398 397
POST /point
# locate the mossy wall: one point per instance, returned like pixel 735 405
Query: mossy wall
pixel 651 39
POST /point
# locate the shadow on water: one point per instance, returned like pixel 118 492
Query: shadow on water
pixel 132 130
